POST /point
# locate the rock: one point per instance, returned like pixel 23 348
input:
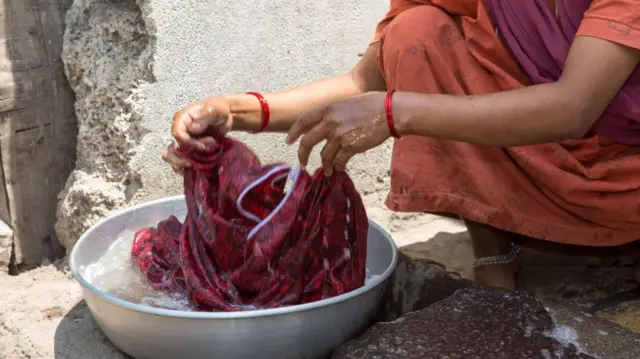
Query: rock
pixel 416 284
pixel 85 201
pixel 626 314
pixel 605 286
pixel 479 322
pixel 6 244
pixel 590 256
pixel 444 241
pixel 107 56
pixel 593 289
pixel 599 337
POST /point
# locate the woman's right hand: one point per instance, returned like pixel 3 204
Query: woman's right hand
pixel 192 124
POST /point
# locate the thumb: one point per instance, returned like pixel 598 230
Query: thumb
pixel 203 117
pixel 199 126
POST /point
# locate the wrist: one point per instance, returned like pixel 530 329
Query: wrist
pixel 246 112
pixel 398 118
pixel 402 114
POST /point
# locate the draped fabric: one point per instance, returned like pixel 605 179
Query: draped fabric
pixel 581 192
pixel 247 243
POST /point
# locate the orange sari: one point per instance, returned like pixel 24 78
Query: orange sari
pixel 581 192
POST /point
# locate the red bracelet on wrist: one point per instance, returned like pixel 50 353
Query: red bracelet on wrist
pixel 388 108
pixel 266 113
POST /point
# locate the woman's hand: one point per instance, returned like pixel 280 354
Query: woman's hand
pixel 192 124
pixel 350 126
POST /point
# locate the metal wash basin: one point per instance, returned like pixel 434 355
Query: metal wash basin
pixel 306 331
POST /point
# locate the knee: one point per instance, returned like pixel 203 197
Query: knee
pixel 418 25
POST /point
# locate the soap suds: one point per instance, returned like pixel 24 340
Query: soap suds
pixel 116 274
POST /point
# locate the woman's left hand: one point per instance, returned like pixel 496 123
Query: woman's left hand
pixel 350 127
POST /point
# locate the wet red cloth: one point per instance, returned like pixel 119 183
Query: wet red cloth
pixel 312 248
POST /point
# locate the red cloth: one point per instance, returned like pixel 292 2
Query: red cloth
pixel 314 246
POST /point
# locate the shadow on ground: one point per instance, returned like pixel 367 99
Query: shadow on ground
pixel 453 250
pixel 79 337
pixel 599 282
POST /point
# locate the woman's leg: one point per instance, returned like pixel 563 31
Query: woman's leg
pixel 491 242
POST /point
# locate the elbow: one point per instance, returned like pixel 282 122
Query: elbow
pixel 581 132
pixel 366 75
pixel 358 79
pixel 579 127
pixel 367 79
pixel 578 116
pixel 582 119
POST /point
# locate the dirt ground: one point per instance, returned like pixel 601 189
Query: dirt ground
pixel 43 316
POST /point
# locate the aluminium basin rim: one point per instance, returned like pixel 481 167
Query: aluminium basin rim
pixel 293 309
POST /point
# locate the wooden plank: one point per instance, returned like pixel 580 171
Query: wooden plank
pixel 37 123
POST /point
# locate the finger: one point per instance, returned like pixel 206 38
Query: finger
pixel 342 157
pixel 174 159
pixel 178 162
pixel 179 126
pixel 204 118
pixel 178 171
pixel 165 154
pixel 180 131
pixel 304 124
pixel 314 136
pixel 207 141
pixel 328 155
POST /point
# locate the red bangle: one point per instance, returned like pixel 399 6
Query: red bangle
pixel 388 108
pixel 266 113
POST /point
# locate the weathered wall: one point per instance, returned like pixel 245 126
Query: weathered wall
pixel 107 56
pixel 133 63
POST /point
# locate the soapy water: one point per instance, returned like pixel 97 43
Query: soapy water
pixel 567 336
pixel 117 274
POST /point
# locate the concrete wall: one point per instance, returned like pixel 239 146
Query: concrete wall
pixel 133 63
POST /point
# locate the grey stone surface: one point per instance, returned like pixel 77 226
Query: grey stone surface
pixel 6 243
pixel 478 322
pixel 627 314
pixel 589 288
pixel 599 337
pixel 416 284
pixel 133 63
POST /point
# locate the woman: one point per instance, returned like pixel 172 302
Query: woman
pixel 503 114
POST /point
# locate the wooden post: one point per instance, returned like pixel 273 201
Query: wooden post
pixel 37 124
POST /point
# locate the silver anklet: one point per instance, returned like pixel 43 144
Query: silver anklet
pixel 501 259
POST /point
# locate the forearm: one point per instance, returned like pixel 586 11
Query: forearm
pixel 531 115
pixel 552 112
pixel 287 106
